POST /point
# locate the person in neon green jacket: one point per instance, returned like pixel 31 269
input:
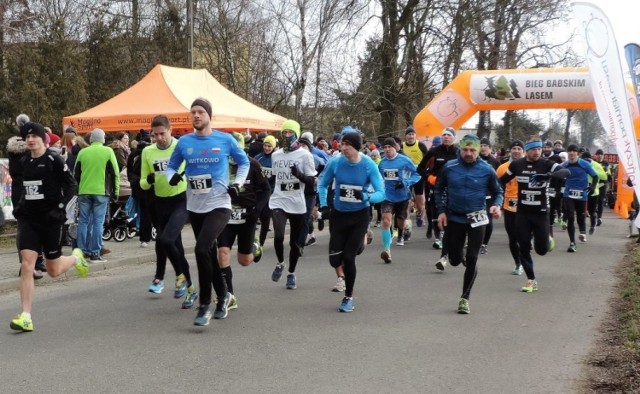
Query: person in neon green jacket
pixel 592 202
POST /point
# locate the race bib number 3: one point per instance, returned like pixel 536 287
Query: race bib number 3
pixel 290 187
pixel 200 184
pixel 32 190
pixel 350 193
pixel 478 218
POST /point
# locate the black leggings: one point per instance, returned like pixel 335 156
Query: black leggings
pixel 528 224
pixel 171 213
pixel 574 208
pixel 347 230
pixel 512 234
pixel 206 228
pixel 592 207
pixel 489 227
pixel 296 221
pixel 265 220
pixel 455 237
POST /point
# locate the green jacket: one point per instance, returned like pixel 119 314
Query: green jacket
pixel 602 176
pixel 96 171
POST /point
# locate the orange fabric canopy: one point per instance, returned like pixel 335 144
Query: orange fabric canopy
pixel 170 91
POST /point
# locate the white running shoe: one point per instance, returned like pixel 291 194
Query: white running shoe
pixel 444 260
pixel 339 286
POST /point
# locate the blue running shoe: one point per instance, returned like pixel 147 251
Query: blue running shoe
pixel 346 305
pixel 156 286
pixel 291 281
pixel 189 300
pixel 203 317
pixel 222 307
pixel 277 272
pixel 419 221
pixel 181 287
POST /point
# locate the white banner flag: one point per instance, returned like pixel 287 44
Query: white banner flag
pixel 608 87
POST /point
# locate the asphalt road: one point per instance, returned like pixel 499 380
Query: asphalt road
pixel 106 333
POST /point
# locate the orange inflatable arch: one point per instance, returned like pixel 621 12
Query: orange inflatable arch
pixel 540 88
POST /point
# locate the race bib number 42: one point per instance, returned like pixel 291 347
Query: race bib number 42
pixel 290 186
pixel 478 218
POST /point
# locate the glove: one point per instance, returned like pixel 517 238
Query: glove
pixel 175 179
pixel 57 216
pixel 399 185
pixel 325 211
pixel 234 191
pixel 592 187
pixel 151 178
pixel 295 171
pixel 540 177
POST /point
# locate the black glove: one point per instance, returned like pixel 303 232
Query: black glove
pixel 175 179
pixel 592 187
pixel 325 211
pixel 17 211
pixel 151 178
pixel 57 216
pixel 234 191
pixel 295 171
pixel 399 185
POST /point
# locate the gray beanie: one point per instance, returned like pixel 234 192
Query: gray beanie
pixel 97 135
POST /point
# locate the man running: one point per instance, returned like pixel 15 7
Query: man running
pixel 264 158
pixel 48 187
pixel 416 150
pixel 486 155
pixel 206 153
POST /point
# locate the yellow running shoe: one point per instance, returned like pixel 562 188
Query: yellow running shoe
pixel 81 266
pixel 530 286
pixel 22 323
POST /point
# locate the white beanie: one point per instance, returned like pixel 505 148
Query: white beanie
pixel 97 135
pixel 308 135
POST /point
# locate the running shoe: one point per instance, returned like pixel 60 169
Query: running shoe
pixel 572 247
pixel 437 244
pixel 222 307
pixel 339 286
pixel 189 299
pixel 346 305
pixel 442 262
pixel 320 224
pixel 369 237
pixel 386 256
pixel 517 271
pixel 37 274
pixel 233 303
pixel 181 286
pixel 156 286
pixel 530 286
pixel 311 241
pixel 582 237
pixel 97 258
pixel 144 244
pixel 400 241
pixel 277 272
pixel 378 224
pixel 484 249
pixel 419 221
pixel 81 266
pixel 291 281
pixel 552 243
pixel 463 306
pixel 394 233
pixel 564 224
pixel 406 236
pixel 592 230
pixel 22 323
pixel 599 222
pixel 257 252
pixel 203 317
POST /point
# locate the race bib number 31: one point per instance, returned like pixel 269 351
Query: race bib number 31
pixel 478 218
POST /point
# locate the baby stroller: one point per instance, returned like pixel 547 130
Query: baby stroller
pixel 119 225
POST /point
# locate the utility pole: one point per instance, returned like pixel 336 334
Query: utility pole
pixel 190 23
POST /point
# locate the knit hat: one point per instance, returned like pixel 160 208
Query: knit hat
pixel 292 125
pixel 409 129
pixel 352 139
pixel 33 128
pixel 271 140
pixel 437 141
pixel 389 141
pixel 485 141
pixel 305 140
pixel 348 129
pixel 599 152
pixel 262 135
pixel 515 143
pixel 308 135
pixel 548 143
pixel 144 136
pixel 470 141
pixel 97 135
pixel 71 129
pixel 449 131
pixel 22 120
pixel 557 142
pixel 53 138
pixel 204 103
pixel 374 152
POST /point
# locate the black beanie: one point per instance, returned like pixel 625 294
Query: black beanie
pixel 203 103
pixel 485 141
pixel 352 139
pixel 389 141
pixel 516 143
pixel 32 128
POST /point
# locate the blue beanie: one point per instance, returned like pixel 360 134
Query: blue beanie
pixel 437 141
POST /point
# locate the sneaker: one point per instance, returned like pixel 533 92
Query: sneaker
pixel 156 286
pixel 277 272
pixel 181 286
pixel 320 224
pixel 484 249
pixel 552 243
pixel 378 224
pixel 346 305
pixel 97 258
pixel 517 271
pixel 429 232
pixel 394 233
pixel 189 299
pixel 400 242
pixel 22 323
pixel 291 281
pixel 369 237
pixel 437 244
pixel 144 244
pixel 386 256
pixel 592 230
pixel 37 274
pixel 257 252
pixel 203 317
pixel 81 266
pixel 530 286
pixel 419 222
pixel 599 222
pixel 444 260
pixel 582 237
pixel 311 241
pixel 463 306
pixel 406 236
pixel 222 307
pixel 572 247
pixel 233 303
pixel 564 224
pixel 339 286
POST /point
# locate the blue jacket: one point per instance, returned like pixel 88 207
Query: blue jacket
pixel 462 188
pixel 576 185
pixel 399 171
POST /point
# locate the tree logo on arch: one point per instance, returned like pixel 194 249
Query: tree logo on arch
pixel 501 88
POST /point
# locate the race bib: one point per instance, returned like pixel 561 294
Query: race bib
pixel 290 187
pixel 238 216
pixel 350 193
pixel 267 172
pixel 200 184
pixel 478 218
pixel 32 190
pixel 576 194
pixel 390 175
pixel 160 165
pixel 531 197
pixel 513 202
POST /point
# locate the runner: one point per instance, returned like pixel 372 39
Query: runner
pixel 399 174
pixel 48 187
pixel 486 155
pixel 264 158
pixel 169 210
pixel 352 174
pixel 416 150
pixel 294 171
pixel 460 193
pixel 206 153
pixel 594 195
pixel 602 194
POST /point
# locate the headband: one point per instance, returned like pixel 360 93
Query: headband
pixel 532 145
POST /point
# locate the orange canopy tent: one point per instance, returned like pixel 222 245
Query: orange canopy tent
pixel 170 91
